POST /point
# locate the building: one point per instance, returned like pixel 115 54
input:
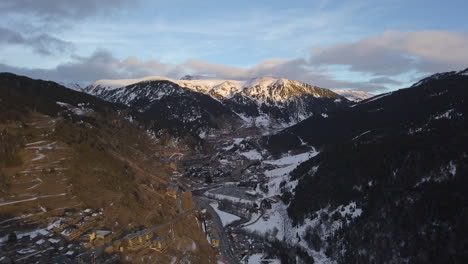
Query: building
pixel 215 243
pixel 172 190
pixel 158 243
pixel 99 236
pixel 103 235
pixel 134 240
pixel 172 165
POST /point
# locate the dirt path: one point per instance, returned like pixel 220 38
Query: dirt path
pixel 40 184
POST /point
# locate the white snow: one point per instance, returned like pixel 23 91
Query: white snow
pixel 445 115
pixel 26 251
pixel 32 199
pixel 442 175
pixel 194 246
pixel 261 90
pixel 35 143
pixel 226 218
pixel 289 163
pixel 55 224
pixel 255 259
pixel 220 197
pixel 80 110
pixel 232 145
pixel 360 135
pixel 53 240
pixel 295 159
pixel 324 227
pixel 354 96
pixel 280 171
pixel 114 84
pixel 39 182
pixel 464 73
pixel 273 224
pixel 202 134
pixel 49 146
pixel 252 155
pixel 38 157
pixel 452 168
pixel 374 98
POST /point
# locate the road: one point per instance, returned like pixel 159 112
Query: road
pixel 225 246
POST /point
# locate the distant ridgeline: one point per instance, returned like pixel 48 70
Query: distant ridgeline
pixel 263 102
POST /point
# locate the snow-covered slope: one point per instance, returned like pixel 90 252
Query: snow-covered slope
pixel 354 96
pixel 414 141
pixel 101 86
pixel 73 86
pixel 169 105
pixel 262 101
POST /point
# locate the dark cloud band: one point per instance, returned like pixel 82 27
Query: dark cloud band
pixel 43 43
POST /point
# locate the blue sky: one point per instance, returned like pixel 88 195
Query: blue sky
pixel 363 45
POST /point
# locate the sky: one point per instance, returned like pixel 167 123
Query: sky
pixel 368 45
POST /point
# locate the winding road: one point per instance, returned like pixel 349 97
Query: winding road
pixel 225 246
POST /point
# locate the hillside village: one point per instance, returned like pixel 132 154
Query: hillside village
pixel 238 188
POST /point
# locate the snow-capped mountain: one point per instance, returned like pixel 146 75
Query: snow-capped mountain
pixel 354 96
pixel 178 108
pixel 73 86
pixel 264 101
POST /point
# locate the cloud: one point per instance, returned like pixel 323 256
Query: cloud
pixel 43 43
pixel 294 69
pixel 34 23
pixel 60 9
pixel 396 52
pixel 100 65
pixel 103 65
pixel 387 60
pixel 384 80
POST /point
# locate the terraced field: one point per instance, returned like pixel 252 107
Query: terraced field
pixel 40 185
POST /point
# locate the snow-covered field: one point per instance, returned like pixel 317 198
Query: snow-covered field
pixel 226 218
pixel 286 165
pixel 252 155
pixel 273 224
pixel 258 258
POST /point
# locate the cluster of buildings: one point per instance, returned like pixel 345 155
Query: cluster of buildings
pixel 208 227
pixel 76 238
pixel 138 240
pixel 61 242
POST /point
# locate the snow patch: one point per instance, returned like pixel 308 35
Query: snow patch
pixel 226 218
pixel 252 155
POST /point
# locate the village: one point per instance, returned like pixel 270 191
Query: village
pixel 239 185
pixel 80 237
pixel 233 193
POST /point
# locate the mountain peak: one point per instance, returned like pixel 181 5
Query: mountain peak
pixel 441 75
pixel 354 96
pixel 463 72
pixel 268 99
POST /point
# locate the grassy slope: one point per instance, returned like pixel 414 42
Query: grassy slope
pixel 110 163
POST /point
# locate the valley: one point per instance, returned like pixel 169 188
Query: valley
pixel 158 173
pixel 239 187
pixel 233 132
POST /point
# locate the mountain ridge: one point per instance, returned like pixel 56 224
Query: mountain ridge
pixel 168 104
pixel 400 159
pixel 354 96
pixel 264 101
